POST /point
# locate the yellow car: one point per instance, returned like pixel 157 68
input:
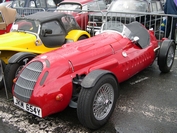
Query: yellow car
pixel 36 34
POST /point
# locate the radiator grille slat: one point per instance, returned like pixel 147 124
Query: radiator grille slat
pixel 26 81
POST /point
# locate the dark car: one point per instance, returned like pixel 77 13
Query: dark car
pixel 127 11
pixel 27 7
pixel 86 74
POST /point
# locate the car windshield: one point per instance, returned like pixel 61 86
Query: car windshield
pixel 129 5
pixel 118 27
pixel 18 3
pixel 25 25
pixel 69 6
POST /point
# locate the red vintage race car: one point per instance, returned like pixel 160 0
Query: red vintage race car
pixel 86 74
pixel 7 17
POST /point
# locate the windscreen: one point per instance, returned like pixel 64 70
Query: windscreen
pixel 69 6
pixel 25 25
pixel 118 27
pixel 129 5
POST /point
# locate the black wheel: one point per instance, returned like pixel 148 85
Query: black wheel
pixel 10 72
pixel 166 56
pixel 82 37
pixel 1 74
pixel 95 105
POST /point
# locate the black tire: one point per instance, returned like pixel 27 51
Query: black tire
pixel 89 96
pixel 82 38
pixel 1 76
pixel 166 56
pixel 10 72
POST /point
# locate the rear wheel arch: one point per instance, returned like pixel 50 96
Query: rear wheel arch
pixel 75 35
pixel 19 57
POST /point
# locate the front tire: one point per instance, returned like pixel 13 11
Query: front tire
pixel 1 74
pixel 10 72
pixel 95 105
pixel 166 56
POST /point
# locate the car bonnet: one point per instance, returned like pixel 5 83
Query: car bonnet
pixel 15 40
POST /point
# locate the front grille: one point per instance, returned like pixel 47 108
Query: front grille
pixel 26 81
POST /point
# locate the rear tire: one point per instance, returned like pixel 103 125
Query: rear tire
pixel 95 105
pixel 166 56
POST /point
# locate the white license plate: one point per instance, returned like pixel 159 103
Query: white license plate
pixel 28 107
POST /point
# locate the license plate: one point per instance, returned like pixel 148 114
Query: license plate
pixel 28 107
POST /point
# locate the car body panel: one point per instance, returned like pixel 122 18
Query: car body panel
pixel 18 40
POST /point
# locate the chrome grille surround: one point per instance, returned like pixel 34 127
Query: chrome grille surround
pixel 26 81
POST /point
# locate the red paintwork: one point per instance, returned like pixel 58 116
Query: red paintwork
pixel 6 30
pixel 104 51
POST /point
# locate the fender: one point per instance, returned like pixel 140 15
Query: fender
pixel 75 34
pixel 91 79
pixel 18 57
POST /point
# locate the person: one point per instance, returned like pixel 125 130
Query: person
pixel 170 7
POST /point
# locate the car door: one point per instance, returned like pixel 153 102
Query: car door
pixel 52 34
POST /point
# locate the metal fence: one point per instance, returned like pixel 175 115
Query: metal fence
pixel 92 20
pixel 24 11
pixel 150 20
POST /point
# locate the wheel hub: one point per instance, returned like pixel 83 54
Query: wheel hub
pixel 103 101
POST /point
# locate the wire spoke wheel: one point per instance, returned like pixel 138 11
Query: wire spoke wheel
pixel 103 101
pixel 96 104
pixel 170 56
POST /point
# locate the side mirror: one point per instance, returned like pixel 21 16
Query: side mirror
pixel 48 31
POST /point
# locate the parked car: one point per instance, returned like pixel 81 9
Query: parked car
pixel 86 74
pixel 7 17
pixel 27 7
pixel 6 3
pixel 36 34
pixel 128 11
pixel 80 9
